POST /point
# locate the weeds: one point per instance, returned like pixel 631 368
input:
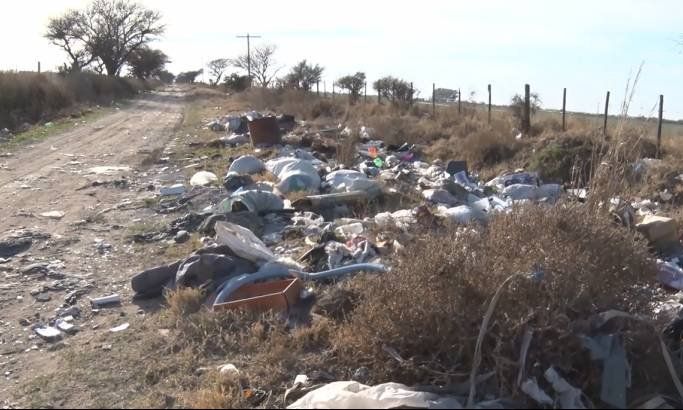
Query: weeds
pixel 33 97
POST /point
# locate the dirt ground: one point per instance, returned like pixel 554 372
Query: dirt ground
pixel 89 246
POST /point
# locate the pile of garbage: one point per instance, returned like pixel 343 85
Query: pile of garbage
pixel 293 219
pixel 252 126
pixel 301 223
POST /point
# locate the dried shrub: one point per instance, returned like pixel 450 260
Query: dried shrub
pixel 429 308
pixel 568 158
pixel 33 97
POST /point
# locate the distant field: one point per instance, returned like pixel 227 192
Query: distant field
pixel 670 128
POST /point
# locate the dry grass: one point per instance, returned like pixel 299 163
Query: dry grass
pixel 217 392
pixel 429 309
pixel 33 97
pixel 184 302
pixel 347 149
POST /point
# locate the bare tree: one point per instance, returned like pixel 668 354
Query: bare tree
pixel 217 69
pixel 65 32
pixel 262 64
pixel 107 30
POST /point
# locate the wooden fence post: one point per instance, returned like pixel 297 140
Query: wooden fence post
pixel 38 67
pixel 459 103
pixel 333 91
pixel 659 125
pixel 365 98
pixel 489 103
pixel 527 109
pixel 379 96
pixel 564 109
pixel 604 127
pixel 434 99
pixel 317 88
pixel 411 93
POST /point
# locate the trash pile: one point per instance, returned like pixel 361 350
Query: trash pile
pixel 302 217
pixel 269 236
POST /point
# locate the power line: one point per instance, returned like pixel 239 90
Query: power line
pixel 249 37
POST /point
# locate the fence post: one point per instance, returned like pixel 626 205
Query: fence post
pixel 332 91
pixel 379 96
pixel 411 93
pixel 564 109
pixel 317 88
pixel 527 108
pixel 434 99
pixel 489 103
pixel 365 98
pixel 459 103
pixel 659 125
pixel 604 127
pixel 38 67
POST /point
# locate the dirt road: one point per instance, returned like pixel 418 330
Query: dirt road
pixel 85 245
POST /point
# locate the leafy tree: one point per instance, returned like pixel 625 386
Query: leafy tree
pixel 146 62
pixel 237 83
pixel 517 106
pixel 303 76
pixel 354 84
pixel 166 76
pixel 262 64
pixel 395 89
pixel 188 77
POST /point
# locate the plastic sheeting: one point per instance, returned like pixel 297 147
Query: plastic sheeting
pixel 294 174
pixel 353 395
pixel 243 242
pixel 247 165
pixel 203 178
pixel 440 196
pixel 251 200
pixel 349 180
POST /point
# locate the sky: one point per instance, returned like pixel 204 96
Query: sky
pixel 588 47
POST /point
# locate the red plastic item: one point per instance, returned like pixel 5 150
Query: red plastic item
pixel 278 296
pixel 373 152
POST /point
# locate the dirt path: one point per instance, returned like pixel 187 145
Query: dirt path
pixel 88 251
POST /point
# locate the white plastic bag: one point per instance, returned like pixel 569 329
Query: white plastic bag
pixel 243 242
pixel 203 178
pixel 353 395
pixel 247 165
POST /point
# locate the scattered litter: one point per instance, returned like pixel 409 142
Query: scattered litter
pixel 247 165
pixel 228 370
pixel 120 328
pixel 177 189
pixel 48 333
pixel 243 242
pixel 203 178
pixel 265 131
pixel 53 214
pixel 108 170
pixel 353 395
pixel 105 301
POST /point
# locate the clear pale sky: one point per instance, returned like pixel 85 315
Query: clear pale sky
pixel 588 47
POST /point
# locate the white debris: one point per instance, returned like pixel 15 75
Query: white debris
pixel 203 178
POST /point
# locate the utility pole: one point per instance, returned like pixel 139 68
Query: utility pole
pixel 249 37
